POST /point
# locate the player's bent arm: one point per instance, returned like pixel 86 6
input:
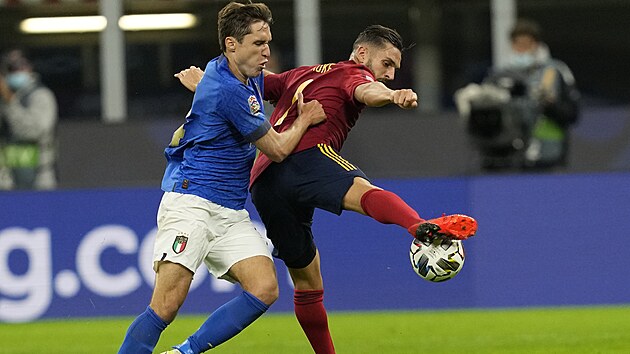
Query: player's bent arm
pixel 277 146
pixel 190 77
pixel 376 94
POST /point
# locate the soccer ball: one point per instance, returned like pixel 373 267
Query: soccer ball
pixel 438 261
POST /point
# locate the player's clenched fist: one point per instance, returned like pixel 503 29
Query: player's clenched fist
pixel 313 110
pixel 405 98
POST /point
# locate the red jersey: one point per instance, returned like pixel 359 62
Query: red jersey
pixel 333 86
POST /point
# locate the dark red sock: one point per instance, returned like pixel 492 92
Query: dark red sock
pixel 311 314
pixel 388 208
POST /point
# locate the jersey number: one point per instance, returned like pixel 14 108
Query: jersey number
pixel 295 96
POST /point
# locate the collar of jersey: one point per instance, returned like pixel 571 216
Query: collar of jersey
pixel 224 69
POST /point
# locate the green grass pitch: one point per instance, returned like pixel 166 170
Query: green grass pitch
pixel 537 330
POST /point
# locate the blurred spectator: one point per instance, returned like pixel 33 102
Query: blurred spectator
pixel 521 113
pixel 28 118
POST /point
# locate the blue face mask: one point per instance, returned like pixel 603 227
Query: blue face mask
pixel 521 60
pixel 17 80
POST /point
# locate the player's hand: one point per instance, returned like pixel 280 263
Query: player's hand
pixel 405 98
pixel 190 77
pixel 312 110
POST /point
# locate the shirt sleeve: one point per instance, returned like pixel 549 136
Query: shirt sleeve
pixel 355 77
pixel 245 113
pixel 259 132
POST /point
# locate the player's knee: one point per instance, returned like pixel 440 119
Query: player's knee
pixel 166 310
pixel 266 291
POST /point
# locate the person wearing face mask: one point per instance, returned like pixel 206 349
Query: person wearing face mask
pixel 521 114
pixel 28 118
pixel 550 83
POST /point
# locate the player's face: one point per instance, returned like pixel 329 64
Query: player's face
pixel 383 61
pixel 252 54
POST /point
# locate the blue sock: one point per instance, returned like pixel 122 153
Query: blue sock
pixel 143 333
pixel 224 323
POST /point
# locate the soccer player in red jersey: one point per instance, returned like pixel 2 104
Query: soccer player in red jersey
pixel 315 175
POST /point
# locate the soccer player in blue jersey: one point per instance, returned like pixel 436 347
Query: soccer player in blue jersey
pixel 201 217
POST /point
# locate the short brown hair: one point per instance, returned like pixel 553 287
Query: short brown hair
pixel 525 27
pixel 235 20
pixel 379 36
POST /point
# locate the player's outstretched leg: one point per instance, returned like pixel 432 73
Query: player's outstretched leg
pixel 453 227
pixel 388 208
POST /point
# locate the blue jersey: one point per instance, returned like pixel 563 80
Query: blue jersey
pixel 211 155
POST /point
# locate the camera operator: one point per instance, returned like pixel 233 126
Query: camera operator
pixel 521 114
pixel 28 118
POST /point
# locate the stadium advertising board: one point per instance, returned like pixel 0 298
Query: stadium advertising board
pixel 88 253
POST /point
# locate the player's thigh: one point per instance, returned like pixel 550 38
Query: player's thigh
pixel 327 177
pixel 183 232
pixel 238 241
pixel 287 222
pixel 172 282
pixel 292 236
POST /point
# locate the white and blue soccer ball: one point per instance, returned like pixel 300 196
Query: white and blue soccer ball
pixel 437 261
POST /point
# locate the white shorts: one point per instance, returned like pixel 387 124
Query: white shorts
pixel 192 230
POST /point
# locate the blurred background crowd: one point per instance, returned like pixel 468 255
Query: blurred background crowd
pixel 112 141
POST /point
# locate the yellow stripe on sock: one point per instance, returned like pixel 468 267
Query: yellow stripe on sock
pixel 332 154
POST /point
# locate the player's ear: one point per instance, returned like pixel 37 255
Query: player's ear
pixel 230 44
pixel 361 54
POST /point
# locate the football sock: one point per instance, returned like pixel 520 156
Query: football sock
pixel 143 333
pixel 224 323
pixel 388 208
pixel 311 314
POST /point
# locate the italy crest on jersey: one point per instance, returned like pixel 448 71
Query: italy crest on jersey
pixel 180 244
pixel 254 106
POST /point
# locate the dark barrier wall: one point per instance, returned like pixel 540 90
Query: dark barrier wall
pixel 386 143
pixel 542 240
